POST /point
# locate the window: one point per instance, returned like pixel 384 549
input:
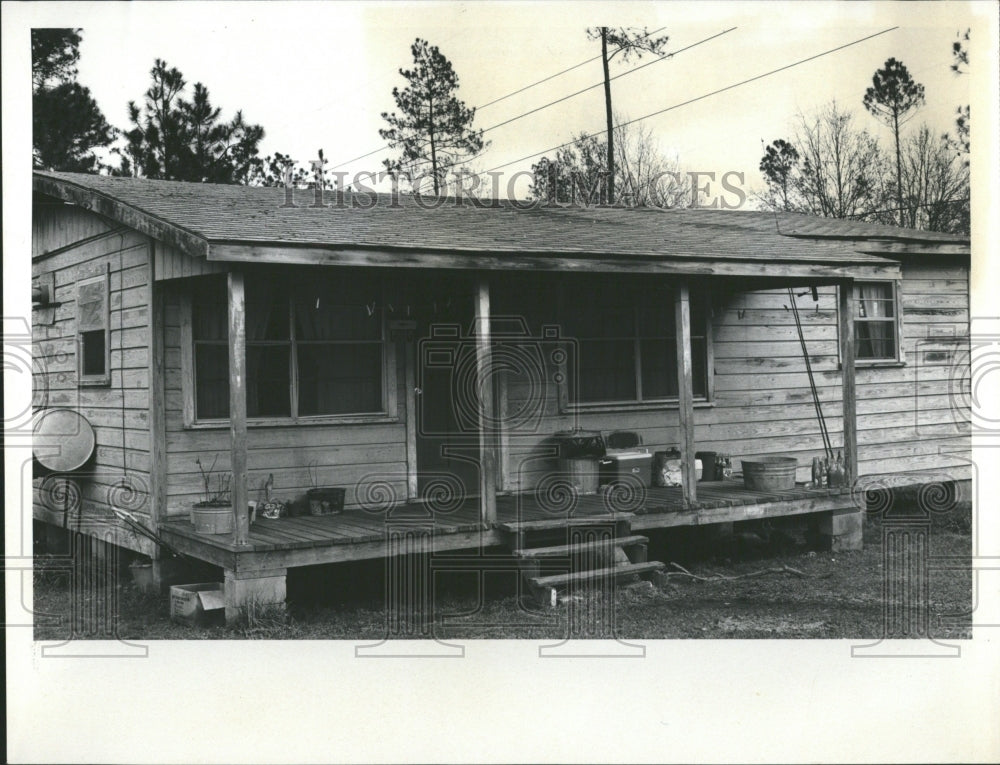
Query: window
pixel 876 322
pixel 626 344
pixel 93 329
pixel 315 348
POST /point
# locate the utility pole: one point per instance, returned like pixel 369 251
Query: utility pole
pixel 607 106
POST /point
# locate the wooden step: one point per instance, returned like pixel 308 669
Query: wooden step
pixel 561 523
pixel 559 551
pixel 598 573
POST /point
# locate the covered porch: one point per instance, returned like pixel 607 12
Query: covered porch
pixel 487 514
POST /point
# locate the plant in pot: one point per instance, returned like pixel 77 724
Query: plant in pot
pixel 213 513
pixel 270 508
pixel 323 501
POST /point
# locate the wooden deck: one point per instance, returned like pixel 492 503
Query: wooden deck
pixel 356 534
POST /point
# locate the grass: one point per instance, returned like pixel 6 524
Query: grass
pixel 838 595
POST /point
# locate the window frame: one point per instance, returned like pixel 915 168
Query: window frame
pixel 103 379
pixel 388 413
pixel 897 319
pixel 568 406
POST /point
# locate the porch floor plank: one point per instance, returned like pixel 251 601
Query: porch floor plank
pixel 662 507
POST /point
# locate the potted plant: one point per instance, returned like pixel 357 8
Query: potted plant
pixel 328 501
pixel 213 514
pixel 272 509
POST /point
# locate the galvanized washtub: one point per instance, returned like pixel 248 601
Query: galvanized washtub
pixel 769 473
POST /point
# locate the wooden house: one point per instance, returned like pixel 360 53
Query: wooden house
pixel 422 354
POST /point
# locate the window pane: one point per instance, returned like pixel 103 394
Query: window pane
pixel 209 311
pixel 656 314
pixel 875 340
pixel 318 318
pixel 90 305
pixel 340 378
pixel 699 370
pixel 875 300
pixel 607 370
pixel 659 368
pixel 93 347
pixel 266 312
pixel 212 384
pixel 268 381
pixel 595 308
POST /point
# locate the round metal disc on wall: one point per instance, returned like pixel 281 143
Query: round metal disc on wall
pixel 63 440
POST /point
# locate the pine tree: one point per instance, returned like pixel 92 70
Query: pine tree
pixel 629 42
pixel 433 125
pixel 778 165
pixel 176 139
pixel 892 96
pixel 67 123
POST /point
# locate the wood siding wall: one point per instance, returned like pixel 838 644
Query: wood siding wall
pixel 69 244
pixel 908 421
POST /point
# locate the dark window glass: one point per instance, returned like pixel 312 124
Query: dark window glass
pixel 626 343
pixel 93 351
pixel 333 327
pixel 340 378
pixel 212 374
pixel 268 375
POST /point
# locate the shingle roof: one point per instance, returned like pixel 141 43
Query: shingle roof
pixel 241 214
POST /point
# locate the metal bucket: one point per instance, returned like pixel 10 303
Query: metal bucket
pixel 769 473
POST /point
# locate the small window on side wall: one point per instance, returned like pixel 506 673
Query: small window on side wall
pixel 876 322
pixel 93 329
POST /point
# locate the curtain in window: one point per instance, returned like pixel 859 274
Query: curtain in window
pixel 875 338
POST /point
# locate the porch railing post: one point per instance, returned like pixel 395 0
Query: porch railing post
pixel 238 406
pixel 487 414
pixel 846 312
pixel 685 392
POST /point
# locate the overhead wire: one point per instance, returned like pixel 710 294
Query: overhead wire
pixel 512 93
pixel 697 98
pixel 666 57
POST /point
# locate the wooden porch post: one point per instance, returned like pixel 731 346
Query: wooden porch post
pixel 487 413
pixel 685 392
pixel 238 405
pixel 847 308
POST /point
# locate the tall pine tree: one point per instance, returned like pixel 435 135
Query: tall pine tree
pixel 891 98
pixel 434 126
pixel 67 124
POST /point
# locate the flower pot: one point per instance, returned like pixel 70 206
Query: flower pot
pixel 142 575
pixel 212 519
pixel 326 501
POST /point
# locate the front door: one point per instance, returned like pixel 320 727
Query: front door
pixel 447 442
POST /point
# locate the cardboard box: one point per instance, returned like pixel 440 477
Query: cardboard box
pixel 198 604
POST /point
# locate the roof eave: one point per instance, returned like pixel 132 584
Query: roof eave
pixel 126 214
pixel 815 270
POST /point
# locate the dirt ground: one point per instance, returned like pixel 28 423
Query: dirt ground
pixel 764 582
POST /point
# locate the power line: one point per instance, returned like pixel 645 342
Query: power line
pixel 512 93
pixel 564 71
pixel 599 84
pixel 584 90
pixel 693 100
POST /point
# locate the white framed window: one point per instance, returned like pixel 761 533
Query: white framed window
pixel 877 323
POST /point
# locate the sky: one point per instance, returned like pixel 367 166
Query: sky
pixel 319 75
